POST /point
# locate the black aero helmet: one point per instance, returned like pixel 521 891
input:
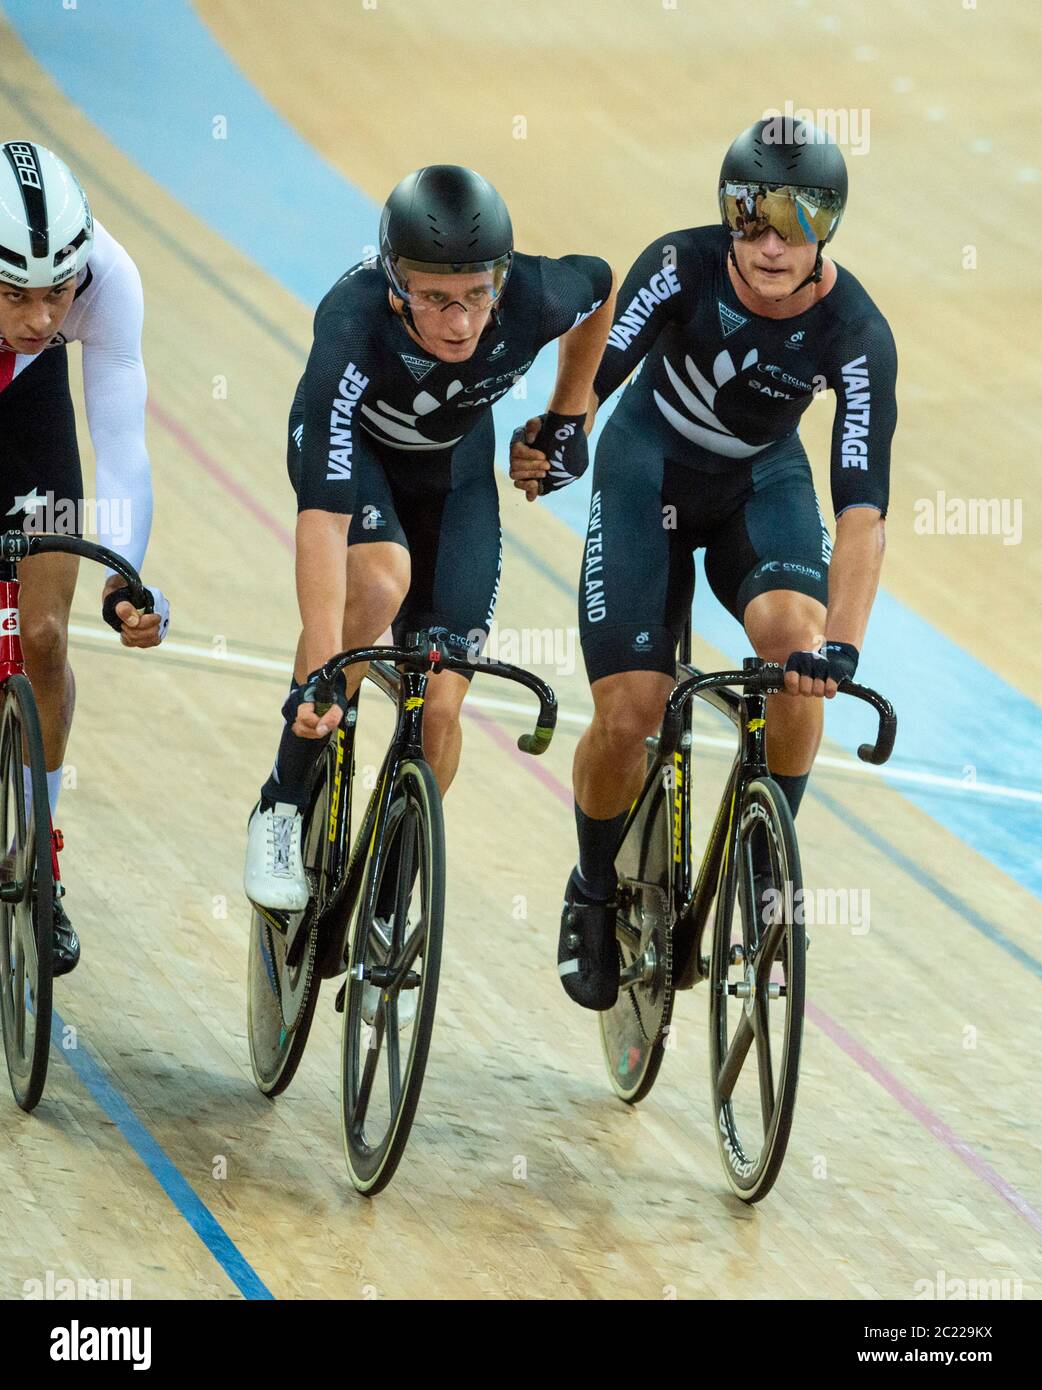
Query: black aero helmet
pixel 445 219
pixel 786 174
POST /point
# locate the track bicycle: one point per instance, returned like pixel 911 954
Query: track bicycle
pixel 756 964
pixel 29 874
pixel 386 1033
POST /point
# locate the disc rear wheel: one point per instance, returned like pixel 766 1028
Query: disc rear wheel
pixel 634 1030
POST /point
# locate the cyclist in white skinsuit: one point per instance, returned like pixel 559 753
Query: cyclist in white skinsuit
pixel 64 278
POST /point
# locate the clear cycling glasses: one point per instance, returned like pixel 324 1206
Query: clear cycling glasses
pixel 485 282
pixel 800 216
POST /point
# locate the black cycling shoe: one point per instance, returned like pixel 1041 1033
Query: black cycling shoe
pixel 587 952
pixel 66 942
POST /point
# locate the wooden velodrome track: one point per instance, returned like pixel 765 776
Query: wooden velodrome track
pixel 916 1148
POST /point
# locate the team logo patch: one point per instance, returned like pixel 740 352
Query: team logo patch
pixel 730 322
pixel 500 347
pixel 418 366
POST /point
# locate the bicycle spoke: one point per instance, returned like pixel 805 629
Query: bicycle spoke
pixel 27 937
pixel 379 944
pixel 372 1057
pixel 764 1066
pixel 18 1000
pixel 412 947
pixel 405 862
pixel 735 1057
pixel 394 1066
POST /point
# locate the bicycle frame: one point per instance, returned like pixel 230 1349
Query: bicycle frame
pixel 12 662
pixel 693 898
pixel 748 713
pixel 335 914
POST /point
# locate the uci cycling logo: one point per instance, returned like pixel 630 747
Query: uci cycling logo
pixel 795 341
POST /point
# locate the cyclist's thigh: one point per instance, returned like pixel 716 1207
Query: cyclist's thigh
pixel 774 537
pixel 41 460
pixel 374 518
pixel 453 532
pixel 42 486
pixel 637 574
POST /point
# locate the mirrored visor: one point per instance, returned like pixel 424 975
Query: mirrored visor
pixel 800 216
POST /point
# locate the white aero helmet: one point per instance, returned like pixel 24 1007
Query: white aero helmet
pixel 46 229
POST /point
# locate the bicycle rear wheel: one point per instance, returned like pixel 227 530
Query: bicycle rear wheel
pixel 283 989
pixel 384 1051
pixel 633 1031
pixel 26 897
pixel 758 982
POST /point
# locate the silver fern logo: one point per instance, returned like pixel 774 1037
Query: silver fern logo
pixel 398 428
pixel 701 425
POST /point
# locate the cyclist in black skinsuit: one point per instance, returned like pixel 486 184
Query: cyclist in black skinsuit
pixel 741 327
pixel 391 451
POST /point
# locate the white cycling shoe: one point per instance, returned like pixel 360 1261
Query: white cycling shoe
pixel 274 875
pixel 371 996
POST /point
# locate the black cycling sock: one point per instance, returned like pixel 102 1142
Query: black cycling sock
pixel 793 787
pixel 598 841
pixel 290 779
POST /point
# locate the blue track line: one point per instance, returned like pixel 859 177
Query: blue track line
pixel 161 1166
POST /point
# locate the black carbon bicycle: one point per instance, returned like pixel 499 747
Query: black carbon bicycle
pixel 29 875
pixel 756 965
pixel 392 963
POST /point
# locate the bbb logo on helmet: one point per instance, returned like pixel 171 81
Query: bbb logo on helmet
pixel 27 167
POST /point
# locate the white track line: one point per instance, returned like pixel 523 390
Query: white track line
pixel 915 777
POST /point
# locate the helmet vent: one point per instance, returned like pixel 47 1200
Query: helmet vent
pixel 12 258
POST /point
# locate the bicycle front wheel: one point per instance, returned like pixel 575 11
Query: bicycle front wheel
pixel 758 982
pixel 392 985
pixel 26 897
